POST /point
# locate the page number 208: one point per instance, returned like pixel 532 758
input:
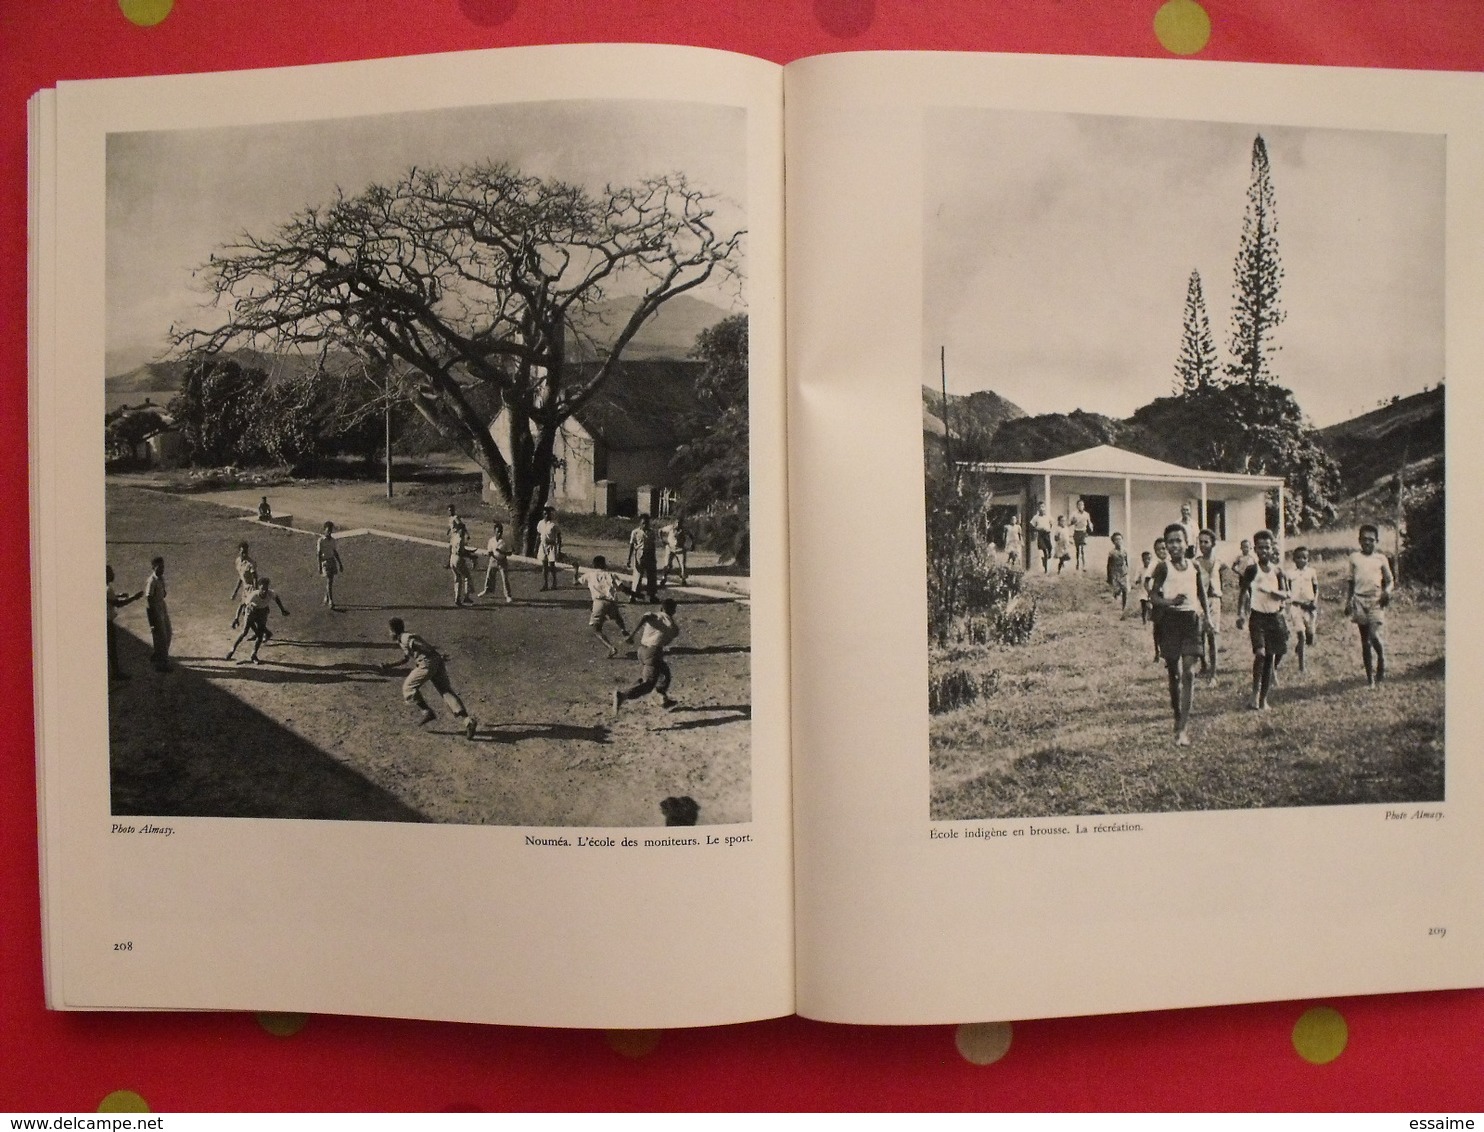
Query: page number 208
pixel 128 945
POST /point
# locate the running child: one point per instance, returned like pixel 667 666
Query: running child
pixel 1179 597
pixel 604 585
pixel 1014 542
pixel 655 632
pixel 1264 596
pixel 498 548
pixel 256 602
pixel 1162 553
pixel 1304 602
pixel 1366 597
pixel 1245 559
pixel 1042 525
pixel 1215 574
pixel 642 560
pixel 247 577
pixel 330 566
pixel 1118 574
pixel 1081 524
pixel 428 667
pixel 1141 582
pixel 1061 538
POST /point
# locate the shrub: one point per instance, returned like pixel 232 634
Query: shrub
pixel 726 534
pixel 958 688
pixel 973 596
pixel 1423 549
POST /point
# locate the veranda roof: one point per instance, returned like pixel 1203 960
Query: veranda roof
pixel 1106 462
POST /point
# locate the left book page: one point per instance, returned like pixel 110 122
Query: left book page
pixel 313 351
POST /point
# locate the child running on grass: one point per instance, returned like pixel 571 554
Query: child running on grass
pixel 1162 553
pixel 428 667
pixel 1141 581
pixel 1179 597
pixel 1118 574
pixel 1366 597
pixel 330 566
pixel 1264 597
pixel 1214 573
pixel 1304 602
pixel 1062 540
pixel 604 585
pixel 256 602
pixel 499 552
pixel 655 632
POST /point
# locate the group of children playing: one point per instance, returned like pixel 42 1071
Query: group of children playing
pixel 254 598
pixel 1180 590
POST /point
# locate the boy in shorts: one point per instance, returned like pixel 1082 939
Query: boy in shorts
pixel 1081 527
pixel 1303 602
pixel 1062 541
pixel 1264 602
pixel 655 632
pixel 460 561
pixel 1214 572
pixel 1162 553
pixel 604 585
pixel 330 566
pixel 1118 574
pixel 257 603
pixel 428 667
pixel 548 547
pixel 1141 581
pixel 1366 597
pixel 1179 596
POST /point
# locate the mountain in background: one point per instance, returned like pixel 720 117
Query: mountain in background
pixel 670 335
pixel 1405 436
pixel 975 420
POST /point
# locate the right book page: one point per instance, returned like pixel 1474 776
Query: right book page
pixel 1209 309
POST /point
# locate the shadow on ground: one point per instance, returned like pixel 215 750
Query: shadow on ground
pixel 182 747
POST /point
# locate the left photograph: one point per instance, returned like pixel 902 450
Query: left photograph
pixel 427 468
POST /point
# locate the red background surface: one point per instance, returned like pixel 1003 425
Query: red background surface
pixel 1421 1052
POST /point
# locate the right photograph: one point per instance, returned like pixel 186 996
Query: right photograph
pixel 1183 462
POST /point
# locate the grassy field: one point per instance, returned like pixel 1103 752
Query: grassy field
pixel 1079 721
pixel 319 731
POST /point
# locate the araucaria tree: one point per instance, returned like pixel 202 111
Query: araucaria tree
pixel 1195 367
pixel 1256 309
pixel 476 278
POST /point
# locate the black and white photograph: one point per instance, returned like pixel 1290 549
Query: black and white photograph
pixel 1183 444
pixel 427 467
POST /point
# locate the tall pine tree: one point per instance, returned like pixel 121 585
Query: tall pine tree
pixel 1256 310
pixel 1195 368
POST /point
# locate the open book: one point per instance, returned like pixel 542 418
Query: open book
pixel 915 761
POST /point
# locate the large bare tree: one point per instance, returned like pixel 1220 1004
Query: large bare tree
pixel 475 277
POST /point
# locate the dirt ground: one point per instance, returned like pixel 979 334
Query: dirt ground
pixel 318 731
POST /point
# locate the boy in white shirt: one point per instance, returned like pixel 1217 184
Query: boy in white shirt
pixel 1366 598
pixel 604 585
pixel 1304 602
pixel 499 552
pixel 1179 596
pixel 1141 581
pixel 1264 601
pixel 256 602
pixel 655 632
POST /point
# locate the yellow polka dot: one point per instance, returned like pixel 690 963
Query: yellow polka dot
pixel 1320 1035
pixel 1182 27
pixel 984 1043
pixel 282 1025
pixel 634 1043
pixel 145 13
pixel 123 1100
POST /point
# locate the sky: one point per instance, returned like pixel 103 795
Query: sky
pixel 1058 248
pixel 174 197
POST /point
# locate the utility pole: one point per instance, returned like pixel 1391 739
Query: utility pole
pixel 947 431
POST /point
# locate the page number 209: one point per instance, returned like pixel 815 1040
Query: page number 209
pixel 1439 932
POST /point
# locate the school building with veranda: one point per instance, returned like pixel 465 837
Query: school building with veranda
pixel 1124 491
